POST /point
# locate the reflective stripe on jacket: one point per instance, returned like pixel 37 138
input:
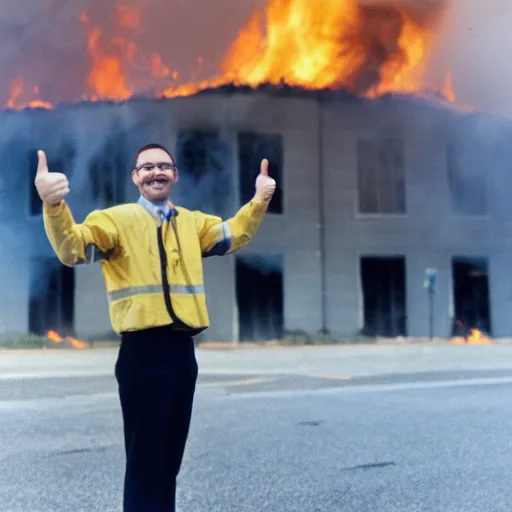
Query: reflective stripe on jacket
pixel 153 271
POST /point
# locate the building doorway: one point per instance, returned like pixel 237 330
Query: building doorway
pixel 471 296
pixel 384 304
pixel 259 295
pixel 52 290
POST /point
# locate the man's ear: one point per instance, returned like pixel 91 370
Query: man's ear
pixel 135 178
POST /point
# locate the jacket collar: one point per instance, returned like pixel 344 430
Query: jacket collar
pixel 166 208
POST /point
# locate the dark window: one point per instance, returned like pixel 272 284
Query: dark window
pixel 60 159
pixel 199 152
pixel 259 293
pixel 51 304
pixel 252 149
pixel 471 296
pixel 467 183
pixel 203 161
pixel 109 171
pixel 383 285
pixel 14 175
pixel 381 176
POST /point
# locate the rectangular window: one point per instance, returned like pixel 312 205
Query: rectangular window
pixel 383 285
pixel 259 294
pixel 381 176
pixel 252 149
pixel 467 184
pixel 52 289
pixel 203 160
pixel 109 171
pixel 35 205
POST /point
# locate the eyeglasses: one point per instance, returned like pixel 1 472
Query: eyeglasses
pixel 162 166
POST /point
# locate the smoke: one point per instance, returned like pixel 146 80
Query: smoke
pixel 94 145
pixel 204 160
pixel 45 43
pixel 423 12
pixel 266 265
pixel 474 40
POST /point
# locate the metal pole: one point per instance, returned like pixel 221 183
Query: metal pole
pixel 429 283
pixel 321 216
pixel 431 311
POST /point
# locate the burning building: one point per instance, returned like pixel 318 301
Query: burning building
pixel 378 179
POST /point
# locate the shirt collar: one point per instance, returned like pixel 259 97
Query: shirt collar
pixel 166 208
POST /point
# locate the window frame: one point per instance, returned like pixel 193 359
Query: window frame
pixel 279 176
pixel 378 143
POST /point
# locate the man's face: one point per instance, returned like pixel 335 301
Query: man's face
pixel 155 174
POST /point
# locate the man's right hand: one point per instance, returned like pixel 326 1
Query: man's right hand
pixel 52 187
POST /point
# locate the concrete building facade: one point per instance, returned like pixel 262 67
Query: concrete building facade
pixel 371 193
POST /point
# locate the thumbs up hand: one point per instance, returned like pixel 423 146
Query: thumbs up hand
pixel 265 185
pixel 52 187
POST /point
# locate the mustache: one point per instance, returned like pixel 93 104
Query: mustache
pixel 162 178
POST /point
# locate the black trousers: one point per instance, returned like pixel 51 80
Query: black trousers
pixel 156 371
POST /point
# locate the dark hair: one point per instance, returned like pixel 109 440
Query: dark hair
pixel 153 146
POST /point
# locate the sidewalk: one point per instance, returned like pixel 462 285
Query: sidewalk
pixel 355 360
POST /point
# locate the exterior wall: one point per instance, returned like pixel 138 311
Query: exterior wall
pixel 91 305
pixel 320 167
pixel 501 293
pixel 15 240
pixel 294 233
pixel 14 298
pixel 428 234
pixel 219 275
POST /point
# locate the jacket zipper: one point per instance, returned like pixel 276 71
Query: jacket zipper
pixel 165 281
pixel 167 291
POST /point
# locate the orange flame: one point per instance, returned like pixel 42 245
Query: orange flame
pixel 448 91
pixel 54 336
pixel 106 78
pixel 158 69
pixel 368 48
pixel 114 57
pixel 77 343
pixel 17 93
pixel 475 337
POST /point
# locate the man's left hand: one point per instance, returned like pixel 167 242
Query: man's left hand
pixel 265 185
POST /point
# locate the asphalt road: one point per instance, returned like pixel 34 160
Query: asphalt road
pixel 279 443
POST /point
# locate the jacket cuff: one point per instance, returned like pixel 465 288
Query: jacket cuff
pixel 53 210
pixel 259 207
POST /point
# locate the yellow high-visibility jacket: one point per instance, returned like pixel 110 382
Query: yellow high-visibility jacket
pixel 153 270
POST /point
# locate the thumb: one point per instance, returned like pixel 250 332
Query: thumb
pixel 42 165
pixel 264 167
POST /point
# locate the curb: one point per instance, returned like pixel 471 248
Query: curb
pixel 233 345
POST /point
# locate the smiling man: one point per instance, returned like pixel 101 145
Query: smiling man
pixel 155 174
pixel 151 255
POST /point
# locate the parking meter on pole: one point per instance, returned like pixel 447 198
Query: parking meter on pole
pixel 429 283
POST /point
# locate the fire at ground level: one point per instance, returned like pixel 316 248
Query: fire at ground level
pixel 260 304
pixel 53 339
